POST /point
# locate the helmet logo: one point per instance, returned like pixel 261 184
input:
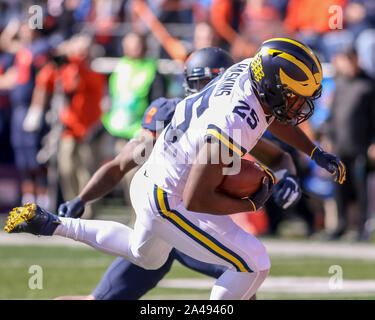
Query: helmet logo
pixel 304 88
pixel 257 68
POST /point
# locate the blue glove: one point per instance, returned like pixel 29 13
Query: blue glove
pixel 72 209
pixel 331 163
pixel 259 198
pixel 287 191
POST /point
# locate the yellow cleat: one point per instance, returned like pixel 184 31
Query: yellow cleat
pixel 19 215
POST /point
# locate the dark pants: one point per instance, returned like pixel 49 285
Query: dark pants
pixel 352 191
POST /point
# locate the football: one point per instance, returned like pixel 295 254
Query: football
pixel 246 182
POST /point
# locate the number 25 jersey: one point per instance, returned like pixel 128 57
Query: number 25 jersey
pixel 226 110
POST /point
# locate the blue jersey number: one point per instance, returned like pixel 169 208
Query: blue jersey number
pixel 173 134
pixel 252 120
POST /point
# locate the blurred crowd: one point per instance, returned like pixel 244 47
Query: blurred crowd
pixel 61 117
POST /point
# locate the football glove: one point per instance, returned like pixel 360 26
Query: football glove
pixel 287 191
pixel 259 198
pixel 331 163
pixel 72 209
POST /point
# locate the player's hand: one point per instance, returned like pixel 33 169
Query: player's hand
pixel 258 199
pixel 287 191
pixel 331 163
pixel 72 209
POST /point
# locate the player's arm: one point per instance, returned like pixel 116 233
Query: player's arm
pixel 201 191
pixel 273 156
pixel 110 174
pixel 295 137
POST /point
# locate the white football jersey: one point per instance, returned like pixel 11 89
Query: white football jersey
pixel 226 109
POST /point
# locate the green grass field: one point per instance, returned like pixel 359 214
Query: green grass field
pixel 76 271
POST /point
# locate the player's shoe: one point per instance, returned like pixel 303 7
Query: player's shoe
pixel 31 219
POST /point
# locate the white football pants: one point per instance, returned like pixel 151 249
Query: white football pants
pixel 163 223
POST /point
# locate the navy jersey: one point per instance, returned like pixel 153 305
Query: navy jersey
pixel 6 61
pixel 159 114
pixel 28 61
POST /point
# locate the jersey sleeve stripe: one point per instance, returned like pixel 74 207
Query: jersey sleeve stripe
pixel 195 233
pixel 217 133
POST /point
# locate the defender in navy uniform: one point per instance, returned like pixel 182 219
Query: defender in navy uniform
pixel 124 280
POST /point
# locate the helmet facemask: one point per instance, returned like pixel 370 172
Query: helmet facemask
pixel 295 108
pixel 287 106
pixel 199 78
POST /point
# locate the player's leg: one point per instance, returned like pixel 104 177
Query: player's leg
pixel 139 245
pixel 217 240
pixel 126 281
pixel 208 269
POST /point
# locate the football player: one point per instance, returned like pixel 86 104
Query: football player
pixel 124 280
pixel 175 193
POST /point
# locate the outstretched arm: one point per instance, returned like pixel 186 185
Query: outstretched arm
pixel 110 174
pixel 295 137
pixel 273 156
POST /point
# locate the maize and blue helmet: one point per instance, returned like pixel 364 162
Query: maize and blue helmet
pixel 287 77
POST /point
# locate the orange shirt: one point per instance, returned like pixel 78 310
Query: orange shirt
pixel 84 87
pixel 221 13
pixel 310 15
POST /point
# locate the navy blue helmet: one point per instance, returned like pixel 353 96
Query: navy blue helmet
pixel 204 65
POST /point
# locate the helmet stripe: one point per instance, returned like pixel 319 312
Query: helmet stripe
pixel 300 45
pixel 298 87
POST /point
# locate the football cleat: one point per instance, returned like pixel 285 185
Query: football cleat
pixel 31 219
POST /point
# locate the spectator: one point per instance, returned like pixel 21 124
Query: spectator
pixel 244 25
pixel 32 54
pixel 303 207
pixel 6 61
pixel 360 20
pixel 82 90
pixel 360 15
pixel 69 14
pixel 261 22
pixel 352 133
pixel 132 86
pixel 309 20
pixel 226 18
pixel 204 36
pixel 9 9
pixel 201 11
pixel 134 83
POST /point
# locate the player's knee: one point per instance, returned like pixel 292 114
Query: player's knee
pixel 149 261
pixel 263 274
pixel 150 264
pixel 258 259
